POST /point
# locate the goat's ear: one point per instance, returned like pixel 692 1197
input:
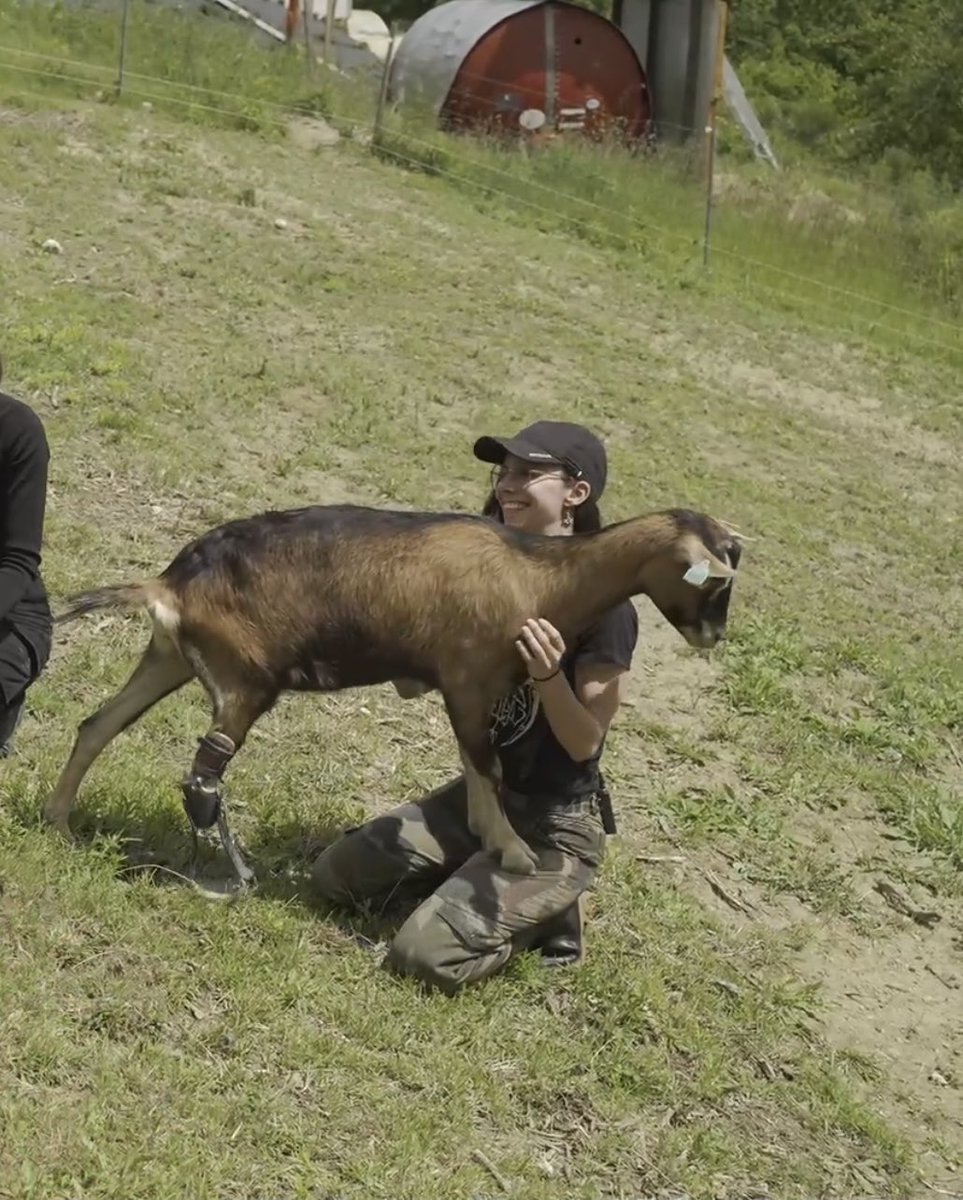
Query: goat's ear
pixel 703 564
pixel 737 534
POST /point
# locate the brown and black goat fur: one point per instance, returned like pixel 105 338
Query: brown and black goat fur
pixel 330 597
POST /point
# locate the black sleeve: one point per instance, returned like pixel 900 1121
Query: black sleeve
pixel 23 497
pixel 611 639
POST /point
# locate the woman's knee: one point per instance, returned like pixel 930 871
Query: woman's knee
pixel 333 873
pixel 419 955
pixel 367 862
pixel 430 948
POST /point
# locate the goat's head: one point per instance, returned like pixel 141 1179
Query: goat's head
pixel 691 583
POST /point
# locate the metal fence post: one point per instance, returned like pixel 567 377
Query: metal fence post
pixel 383 90
pixel 309 61
pixel 123 47
pixel 722 14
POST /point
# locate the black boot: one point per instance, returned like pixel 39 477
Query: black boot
pixel 560 939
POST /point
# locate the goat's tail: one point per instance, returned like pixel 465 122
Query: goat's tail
pixel 149 593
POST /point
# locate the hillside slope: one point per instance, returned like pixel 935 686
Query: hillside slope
pixel 755 1017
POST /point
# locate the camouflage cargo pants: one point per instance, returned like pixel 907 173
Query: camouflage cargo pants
pixel 478 915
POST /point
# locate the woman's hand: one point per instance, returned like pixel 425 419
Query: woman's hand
pixel 541 646
pixel 578 716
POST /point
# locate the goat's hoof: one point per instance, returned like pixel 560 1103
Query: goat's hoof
pixel 519 859
pixel 58 822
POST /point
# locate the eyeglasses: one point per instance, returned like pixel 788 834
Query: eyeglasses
pixel 529 475
pixel 524 476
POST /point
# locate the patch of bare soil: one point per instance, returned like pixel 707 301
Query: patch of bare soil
pixel 894 997
pixel 899 999
pixel 857 411
pixel 46 121
pixel 671 684
pixel 892 1001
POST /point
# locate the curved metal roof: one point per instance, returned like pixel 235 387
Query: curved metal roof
pixel 434 47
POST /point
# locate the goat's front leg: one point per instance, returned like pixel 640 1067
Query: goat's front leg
pixel 487 819
pixel 486 815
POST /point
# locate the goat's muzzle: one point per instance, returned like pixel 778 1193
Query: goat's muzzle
pixel 703 636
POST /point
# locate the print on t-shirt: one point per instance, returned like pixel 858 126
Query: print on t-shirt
pixel 512 716
pixel 533 761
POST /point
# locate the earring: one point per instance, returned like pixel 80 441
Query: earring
pixel 567 517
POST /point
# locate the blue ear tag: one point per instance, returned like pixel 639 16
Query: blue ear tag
pixel 698 573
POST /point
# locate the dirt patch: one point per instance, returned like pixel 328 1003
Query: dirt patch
pixel 891 989
pixel 816 208
pixel 898 996
pixel 891 1002
pixel 859 411
pixel 671 684
pixel 42 120
pixel 75 148
pixel 899 1000
pixel 312 133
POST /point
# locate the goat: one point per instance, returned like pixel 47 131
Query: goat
pixel 322 598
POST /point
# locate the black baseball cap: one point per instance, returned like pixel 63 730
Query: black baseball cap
pixel 559 443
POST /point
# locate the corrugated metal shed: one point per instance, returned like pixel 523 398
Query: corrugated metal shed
pixel 434 47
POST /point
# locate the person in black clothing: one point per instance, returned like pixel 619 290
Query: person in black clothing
pixel 550 733
pixel 25 620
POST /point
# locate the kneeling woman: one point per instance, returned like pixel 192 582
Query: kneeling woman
pixel 550 734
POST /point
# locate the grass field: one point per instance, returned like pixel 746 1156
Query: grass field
pixel 759 1014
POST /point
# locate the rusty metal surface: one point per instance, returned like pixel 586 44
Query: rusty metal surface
pixel 537 65
pixel 435 46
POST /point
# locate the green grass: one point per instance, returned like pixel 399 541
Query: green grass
pixel 800 243
pixel 207 71
pixel 192 361
pixel 779 239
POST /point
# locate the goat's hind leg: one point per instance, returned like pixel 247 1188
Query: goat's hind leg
pixel 160 671
pixel 235 711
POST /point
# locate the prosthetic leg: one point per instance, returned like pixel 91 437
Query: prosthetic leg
pixel 204 798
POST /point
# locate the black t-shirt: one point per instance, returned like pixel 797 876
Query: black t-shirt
pixel 24 456
pixel 533 763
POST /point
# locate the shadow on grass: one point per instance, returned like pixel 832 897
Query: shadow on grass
pixel 161 848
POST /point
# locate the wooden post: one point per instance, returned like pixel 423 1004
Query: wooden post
pixel 291 12
pixel 722 14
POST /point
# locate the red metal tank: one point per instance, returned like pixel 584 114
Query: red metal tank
pixel 541 66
